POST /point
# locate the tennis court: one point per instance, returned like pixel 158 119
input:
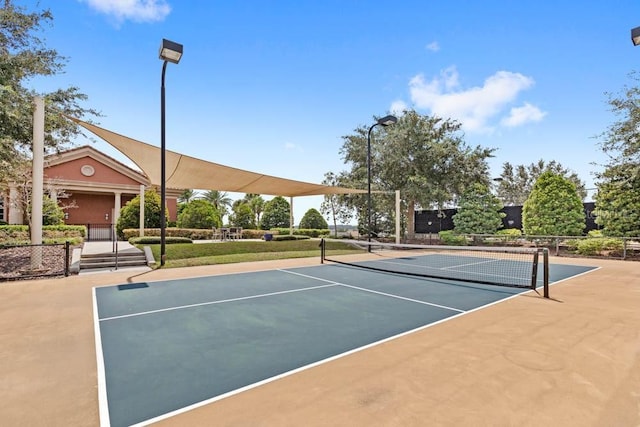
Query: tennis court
pixel 166 347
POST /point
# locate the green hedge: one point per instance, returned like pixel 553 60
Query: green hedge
pixel 598 246
pixel 193 233
pixel 449 238
pixel 282 237
pixel 155 240
pixel 50 233
pixel 311 232
pixel 189 233
pixel 256 234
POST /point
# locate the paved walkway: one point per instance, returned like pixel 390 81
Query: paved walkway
pixel 91 248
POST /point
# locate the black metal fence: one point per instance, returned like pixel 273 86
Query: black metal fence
pixel 100 232
pixel 434 221
pixel 32 261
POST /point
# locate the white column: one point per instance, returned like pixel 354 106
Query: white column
pixel 15 209
pixel 141 210
pixel 38 181
pixel 398 229
pixel 116 209
pixel 291 216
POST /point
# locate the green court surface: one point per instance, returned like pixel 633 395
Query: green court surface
pixel 169 346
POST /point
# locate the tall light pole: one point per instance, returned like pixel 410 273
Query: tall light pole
pixel 385 121
pixel 169 52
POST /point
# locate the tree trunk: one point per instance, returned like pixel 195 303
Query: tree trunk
pixel 411 229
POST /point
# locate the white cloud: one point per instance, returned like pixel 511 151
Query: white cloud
pixel 398 107
pixel 433 47
pixel 134 10
pixel 290 146
pixel 476 107
pixel 521 115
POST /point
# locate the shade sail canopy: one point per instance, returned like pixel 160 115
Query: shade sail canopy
pixel 185 172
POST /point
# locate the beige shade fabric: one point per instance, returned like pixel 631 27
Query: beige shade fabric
pixel 185 172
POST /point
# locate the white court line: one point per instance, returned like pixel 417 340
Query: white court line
pixel 376 292
pixel 311 365
pixel 102 385
pixel 180 307
pixel 103 402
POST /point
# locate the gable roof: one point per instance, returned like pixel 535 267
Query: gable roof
pixel 183 171
pixel 88 151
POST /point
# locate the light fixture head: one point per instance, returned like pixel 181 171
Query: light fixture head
pixel 635 36
pixel 388 120
pixel 170 51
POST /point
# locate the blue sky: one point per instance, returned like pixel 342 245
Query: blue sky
pixel 272 85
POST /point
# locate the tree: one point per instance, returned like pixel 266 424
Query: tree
pixel 199 214
pixel 242 215
pixel 516 183
pixel 276 214
pixel 553 208
pixel 130 213
pixel 335 205
pixel 618 197
pixel 424 157
pixel 24 56
pixel 187 195
pixel 220 200
pixel 478 212
pixel 52 213
pixel 313 219
pixel 618 201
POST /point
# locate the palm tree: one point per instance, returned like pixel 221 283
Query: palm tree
pixel 220 200
pixel 187 196
pixel 256 203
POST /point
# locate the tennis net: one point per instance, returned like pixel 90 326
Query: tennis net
pixel 501 266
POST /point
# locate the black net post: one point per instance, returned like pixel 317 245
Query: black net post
pixel 66 258
pixel 534 271
pixel 545 257
pixel 322 243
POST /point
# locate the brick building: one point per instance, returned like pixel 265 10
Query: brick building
pixel 97 186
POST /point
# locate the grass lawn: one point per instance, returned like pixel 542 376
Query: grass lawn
pixel 192 254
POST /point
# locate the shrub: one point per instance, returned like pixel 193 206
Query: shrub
pixel 509 232
pixel 311 232
pixel 314 220
pixel 199 214
pixel 597 246
pixel 50 233
pixel 448 237
pixel 595 233
pixel 155 240
pixel 256 234
pixel 189 233
pixel 289 237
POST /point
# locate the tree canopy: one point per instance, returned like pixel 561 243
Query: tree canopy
pixel 516 182
pixel 425 157
pixel 199 214
pixel 478 211
pixel 313 219
pixel 334 205
pixel 130 213
pixel 553 208
pixel 618 197
pixel 23 56
pixel 276 214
